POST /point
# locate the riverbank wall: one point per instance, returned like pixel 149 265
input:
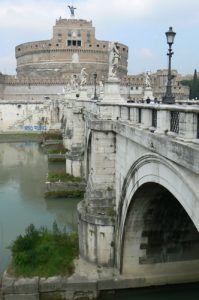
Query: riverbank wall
pixel 87 283
pixel 64 189
pixel 16 137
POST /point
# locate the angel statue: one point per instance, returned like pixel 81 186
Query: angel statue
pixel 114 59
pixel 83 77
pixel 72 10
pixel 147 79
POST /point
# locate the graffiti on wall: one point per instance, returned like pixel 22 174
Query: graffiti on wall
pixel 31 127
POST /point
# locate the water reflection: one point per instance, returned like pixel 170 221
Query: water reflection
pixel 22 175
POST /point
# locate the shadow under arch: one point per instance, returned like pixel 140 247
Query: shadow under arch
pixel 149 177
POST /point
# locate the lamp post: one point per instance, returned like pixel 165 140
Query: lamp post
pixel 169 98
pixel 95 83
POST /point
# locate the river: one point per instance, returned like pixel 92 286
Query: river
pixel 23 170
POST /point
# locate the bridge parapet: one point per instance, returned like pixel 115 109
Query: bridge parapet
pixel 178 121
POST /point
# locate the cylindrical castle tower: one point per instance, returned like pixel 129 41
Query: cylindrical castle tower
pixel 72 47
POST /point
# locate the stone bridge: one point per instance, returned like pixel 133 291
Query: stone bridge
pixel 140 213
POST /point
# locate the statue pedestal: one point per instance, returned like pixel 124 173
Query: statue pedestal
pixel 82 94
pixel 148 93
pixel 112 91
pixel 72 94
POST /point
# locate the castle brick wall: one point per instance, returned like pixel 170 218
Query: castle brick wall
pixel 72 47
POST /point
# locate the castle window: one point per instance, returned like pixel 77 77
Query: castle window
pixel 36 46
pixel 69 33
pixel 59 34
pixel 57 45
pixel 97 45
pixel 104 46
pixel 19 49
pixel 124 49
pixel 49 44
pixel 74 43
pixel 90 45
pixel 78 33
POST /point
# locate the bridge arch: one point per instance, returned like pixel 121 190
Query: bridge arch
pixel 153 181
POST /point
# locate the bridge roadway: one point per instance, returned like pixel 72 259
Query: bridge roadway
pixel 140 213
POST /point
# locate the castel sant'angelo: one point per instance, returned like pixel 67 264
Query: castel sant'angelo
pixel 45 67
pixel 72 47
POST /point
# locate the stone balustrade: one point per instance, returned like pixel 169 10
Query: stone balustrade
pixel 179 121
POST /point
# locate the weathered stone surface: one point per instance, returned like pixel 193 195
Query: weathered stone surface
pixel 63 186
pixel 87 295
pixel 7 283
pixel 21 297
pixel 121 284
pixel 26 285
pixel 69 295
pixel 50 284
pixel 53 296
pixel 81 285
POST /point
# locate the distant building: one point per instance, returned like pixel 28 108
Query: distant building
pixel 133 85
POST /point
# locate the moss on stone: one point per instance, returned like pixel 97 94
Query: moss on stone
pixel 57 159
pixel 63 177
pixel 64 194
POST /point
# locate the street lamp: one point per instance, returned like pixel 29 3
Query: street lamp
pixel 169 98
pixel 95 83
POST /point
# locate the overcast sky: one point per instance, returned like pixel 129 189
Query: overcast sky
pixel 140 24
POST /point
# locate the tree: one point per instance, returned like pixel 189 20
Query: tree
pixel 194 91
pixel 193 85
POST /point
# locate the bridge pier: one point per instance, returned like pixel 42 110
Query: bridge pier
pixel 74 139
pixel 68 130
pixel 97 211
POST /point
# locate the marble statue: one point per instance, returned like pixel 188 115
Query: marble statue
pixel 147 79
pixel 113 60
pixel 73 82
pixel 83 77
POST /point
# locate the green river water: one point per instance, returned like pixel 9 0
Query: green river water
pixel 23 170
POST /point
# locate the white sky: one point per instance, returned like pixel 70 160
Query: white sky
pixel 140 24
